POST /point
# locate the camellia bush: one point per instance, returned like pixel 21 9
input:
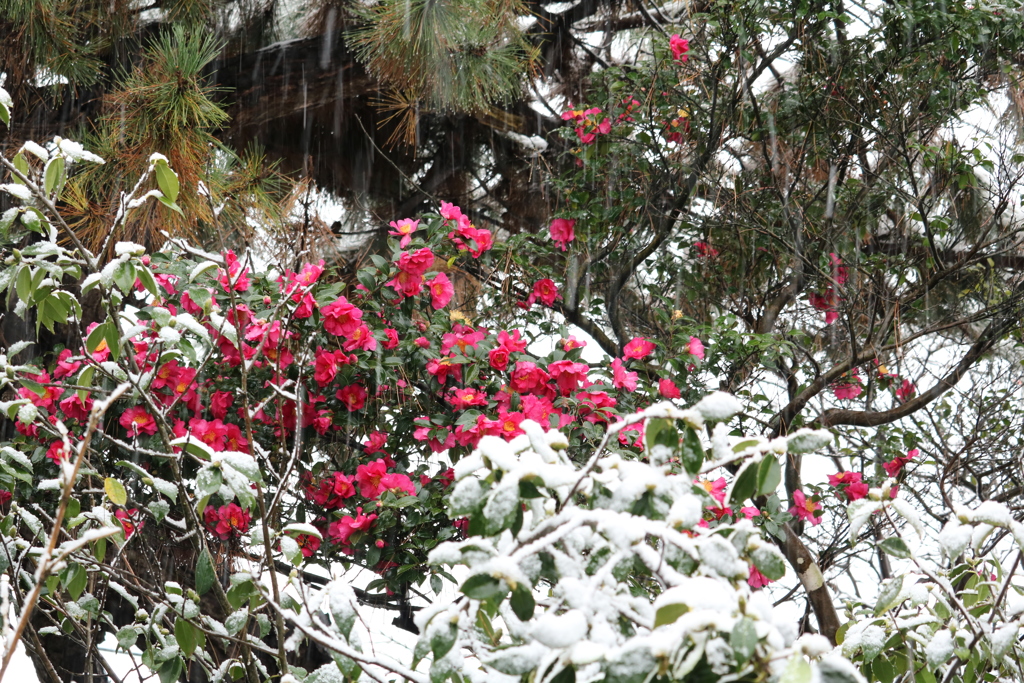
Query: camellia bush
pixel 222 431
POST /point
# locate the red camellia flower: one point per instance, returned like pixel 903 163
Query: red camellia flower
pixel 705 250
pixel 906 390
pixel 850 483
pixel 236 277
pixel 848 388
pixel 58 452
pixel 396 482
pixel 128 521
pixel 353 396
pixel 375 443
pixel 756 579
pixel 226 521
pixel 696 348
pixel 65 366
pixel 638 348
pixel 562 232
pixel 5 496
pixel 137 421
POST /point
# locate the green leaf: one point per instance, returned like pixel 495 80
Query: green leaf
pixel 23 284
pixel 889 594
pixel 111 334
pixel 769 562
pixel 85 380
pixel 205 573
pixel 483 587
pixel 159 508
pixel 692 452
pixel 5 114
pixel 124 276
pixel 743 640
pixel 167 181
pixel 53 176
pixel 187 636
pixel 522 602
pixel 745 484
pixel 667 614
pixel 769 475
pixel 171 670
pixel 74 580
pixel 896 547
pixel 170 205
pixel 797 670
pixel 208 481
pixel 145 276
pixel 443 639
pixel 127 637
pixel 98 334
pixel 115 491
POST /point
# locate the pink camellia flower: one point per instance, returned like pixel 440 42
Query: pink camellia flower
pixel 562 232
pixel 622 378
pixel 572 343
pixel 906 390
pixel 498 358
pixel 341 318
pixel 568 375
pixel 375 443
pixel 392 338
pixel 341 531
pixel 65 366
pixel 848 388
pixel 137 421
pixel 638 348
pixel 546 290
pixel 679 47
pixel 5 496
pixel 850 483
pixel 395 482
pixel 750 512
pixel 441 291
pixel 894 466
pixel 360 338
pixel 353 396
pixel 512 341
pixel 464 398
pixel 417 262
pixel 756 579
pixel 804 508
pixel 716 488
pixel 695 348
pixel 369 477
pixel 668 389
pixel 442 368
pixel 236 277
pixel 527 378
pixel 404 229
pixel 421 342
pixel 450 212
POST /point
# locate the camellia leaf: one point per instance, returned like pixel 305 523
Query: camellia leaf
pixel 187 635
pixel 692 452
pixel 743 640
pixel 483 587
pixel 522 602
pixel 889 594
pixel 115 491
pixel 769 475
pixel 896 547
pixel 443 639
pixel 167 181
pixel 205 572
